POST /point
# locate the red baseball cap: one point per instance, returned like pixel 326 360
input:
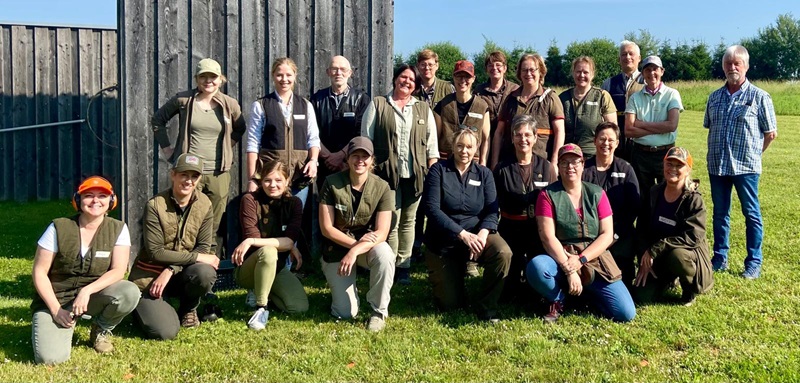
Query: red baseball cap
pixel 464 66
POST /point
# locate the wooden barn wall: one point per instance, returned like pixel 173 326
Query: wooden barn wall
pixel 49 74
pixel 161 42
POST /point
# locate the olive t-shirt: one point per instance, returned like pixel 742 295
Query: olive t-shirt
pixel 205 135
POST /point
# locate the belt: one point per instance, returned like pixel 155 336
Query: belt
pixel 514 217
pixel 652 149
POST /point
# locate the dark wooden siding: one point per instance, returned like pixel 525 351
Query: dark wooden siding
pixel 162 41
pixel 48 74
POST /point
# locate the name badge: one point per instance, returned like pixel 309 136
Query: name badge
pixel 421 121
pixel 341 207
pixel 617 175
pixel 474 182
pixel 540 184
pixel 102 254
pixel 283 228
pixel 474 115
pixel 299 116
pixel 591 103
pixel 666 220
pixel 349 114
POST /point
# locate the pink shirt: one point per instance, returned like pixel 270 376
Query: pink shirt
pixel 544 207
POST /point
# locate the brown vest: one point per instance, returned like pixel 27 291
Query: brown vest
pixel 448 125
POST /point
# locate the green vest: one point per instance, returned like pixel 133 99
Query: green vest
pixel 576 233
pixel 581 121
pixel 353 223
pixel 70 272
pixel 450 125
pixel 385 143
pixel 441 88
pixel 273 215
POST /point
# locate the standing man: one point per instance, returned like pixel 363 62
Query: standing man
pixel 622 86
pixel 339 109
pixel 651 121
pixel 741 124
pixel 496 90
pixel 433 89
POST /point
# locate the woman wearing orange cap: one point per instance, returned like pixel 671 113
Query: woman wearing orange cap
pixel 78 270
pixel 672 228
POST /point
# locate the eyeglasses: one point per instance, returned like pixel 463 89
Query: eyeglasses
pixel 529 70
pixel 523 135
pixel 573 163
pixel 471 128
pixel 338 70
pixel 426 66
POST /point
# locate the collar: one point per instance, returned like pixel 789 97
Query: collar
pixel 657 91
pixel 741 90
pixel 430 89
pixel 178 207
pixel 291 98
pixel 413 100
pixel 343 94
pixel 216 97
pixel 451 165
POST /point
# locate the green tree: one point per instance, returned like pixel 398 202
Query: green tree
pixel 648 45
pixel 604 52
pixel 716 61
pixel 685 62
pixel 775 52
pixel 448 53
pixel 555 66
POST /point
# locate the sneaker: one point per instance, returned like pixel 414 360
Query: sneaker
pixel 688 298
pixel 250 301
pixel 556 308
pixel 718 263
pixel 376 323
pixel 751 273
pixel 259 319
pixel 402 276
pixel 101 339
pixel 190 320
pixel 472 269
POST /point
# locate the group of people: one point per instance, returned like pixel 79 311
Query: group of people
pixel 533 187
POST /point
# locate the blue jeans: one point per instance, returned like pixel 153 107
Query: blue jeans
pixel 747 189
pixel 613 299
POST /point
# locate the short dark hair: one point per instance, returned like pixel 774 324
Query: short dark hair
pixel 606 125
pixel 496 56
pixel 403 68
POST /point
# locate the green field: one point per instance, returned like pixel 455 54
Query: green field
pixel 742 331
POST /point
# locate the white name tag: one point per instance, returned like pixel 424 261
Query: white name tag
pixel 540 184
pixel 666 220
pixel 474 182
pixel 475 115
pixel 591 103
pixel 102 254
pixel 349 114
pixel 283 228
pixel 341 207
pixel 227 120
pixel 617 175
pixel 299 116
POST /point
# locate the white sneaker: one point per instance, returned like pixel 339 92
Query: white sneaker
pixel 259 319
pixel 251 299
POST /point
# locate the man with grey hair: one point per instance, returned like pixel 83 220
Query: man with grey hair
pixel 741 124
pixel 622 86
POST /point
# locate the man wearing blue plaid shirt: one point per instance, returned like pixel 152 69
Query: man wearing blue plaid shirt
pixel 741 124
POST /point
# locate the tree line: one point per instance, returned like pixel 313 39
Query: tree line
pixel 774 55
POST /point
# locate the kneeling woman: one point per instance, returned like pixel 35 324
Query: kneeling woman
pixel 355 216
pixel 460 201
pixel 271 223
pixel 673 229
pixel 78 270
pixel 576 228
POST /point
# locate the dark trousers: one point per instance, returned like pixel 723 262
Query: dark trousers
pixel 158 318
pixel 649 169
pixel 624 257
pixel 678 263
pixel 523 239
pixel 447 269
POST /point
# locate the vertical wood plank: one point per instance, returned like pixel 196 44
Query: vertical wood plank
pixel 23 112
pixel 327 39
pixel 233 87
pixel 299 44
pixel 44 75
pixel 65 52
pixel 254 65
pixel 356 40
pixel 109 102
pixel 382 47
pixel 202 33
pixel 88 74
pixel 278 34
pixel 218 16
pixel 6 142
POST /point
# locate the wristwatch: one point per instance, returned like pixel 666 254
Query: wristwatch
pixel 583 259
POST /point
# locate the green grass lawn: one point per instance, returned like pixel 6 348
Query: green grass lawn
pixel 741 331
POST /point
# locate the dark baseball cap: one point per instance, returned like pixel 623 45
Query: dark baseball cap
pixel 188 162
pixel 680 154
pixel 360 143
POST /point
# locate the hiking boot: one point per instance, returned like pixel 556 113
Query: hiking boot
pixel 472 269
pixel 259 319
pixel 402 276
pixel 250 300
pixel 100 339
pixel 718 263
pixel 376 323
pixel 751 273
pixel 556 308
pixel 190 319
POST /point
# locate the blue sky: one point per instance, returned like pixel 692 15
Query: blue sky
pixel 532 23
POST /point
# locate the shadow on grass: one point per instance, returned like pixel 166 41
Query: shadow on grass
pixel 15 327
pixel 21 287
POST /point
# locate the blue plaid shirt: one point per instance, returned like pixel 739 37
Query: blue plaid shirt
pixel 736 125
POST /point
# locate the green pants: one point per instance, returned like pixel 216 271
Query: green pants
pixel 217 187
pixel 258 272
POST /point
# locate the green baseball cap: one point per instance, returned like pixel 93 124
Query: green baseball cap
pixel 208 66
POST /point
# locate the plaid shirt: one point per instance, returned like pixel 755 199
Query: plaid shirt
pixel 736 125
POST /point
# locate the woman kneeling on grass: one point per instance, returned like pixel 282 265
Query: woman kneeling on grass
pixel 355 216
pixel 78 270
pixel 576 228
pixel 271 223
pixel 672 228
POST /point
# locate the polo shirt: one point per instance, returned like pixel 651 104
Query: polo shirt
pixel 654 108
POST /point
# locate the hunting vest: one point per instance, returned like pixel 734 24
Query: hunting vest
pixel 285 142
pixel 580 121
pixel 448 113
pixel 385 142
